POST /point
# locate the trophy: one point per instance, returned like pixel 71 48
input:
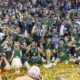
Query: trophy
pixel 48 55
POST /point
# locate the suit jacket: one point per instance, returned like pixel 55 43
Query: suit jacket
pixel 25 26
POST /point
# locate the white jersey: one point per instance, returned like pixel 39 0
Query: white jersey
pixel 62 30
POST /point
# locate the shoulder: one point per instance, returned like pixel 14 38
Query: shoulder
pixel 24 78
pixel 0 77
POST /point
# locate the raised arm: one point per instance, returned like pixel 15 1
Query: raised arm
pixel 7 64
pixel 21 17
pixel 28 49
pixel 41 51
pixel 12 56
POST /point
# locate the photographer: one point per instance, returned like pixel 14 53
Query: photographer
pixel 4 64
pixel 33 74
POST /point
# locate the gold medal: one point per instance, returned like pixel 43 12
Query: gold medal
pixel 62 53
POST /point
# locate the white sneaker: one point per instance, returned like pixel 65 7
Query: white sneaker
pixel 45 65
pixel 49 65
pixel 62 79
pixel 54 64
pixel 66 62
pixel 43 60
pixel 27 65
pixel 52 59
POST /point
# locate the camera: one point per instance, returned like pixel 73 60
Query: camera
pixel 1 56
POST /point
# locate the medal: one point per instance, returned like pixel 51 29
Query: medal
pixel 62 53
pixel 34 54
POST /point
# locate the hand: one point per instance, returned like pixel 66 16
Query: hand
pixel 10 60
pixel 54 51
pixel 17 11
pixel 0 62
pixel 4 54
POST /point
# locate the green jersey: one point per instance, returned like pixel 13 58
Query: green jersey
pixel 62 53
pixel 48 46
pixel 78 51
pixel 34 55
pixel 75 36
pixel 17 53
pixel 16 37
pixel 35 37
pixel 74 25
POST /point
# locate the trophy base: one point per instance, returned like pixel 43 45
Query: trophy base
pixel 49 65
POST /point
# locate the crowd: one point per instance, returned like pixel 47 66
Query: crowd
pixel 39 31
